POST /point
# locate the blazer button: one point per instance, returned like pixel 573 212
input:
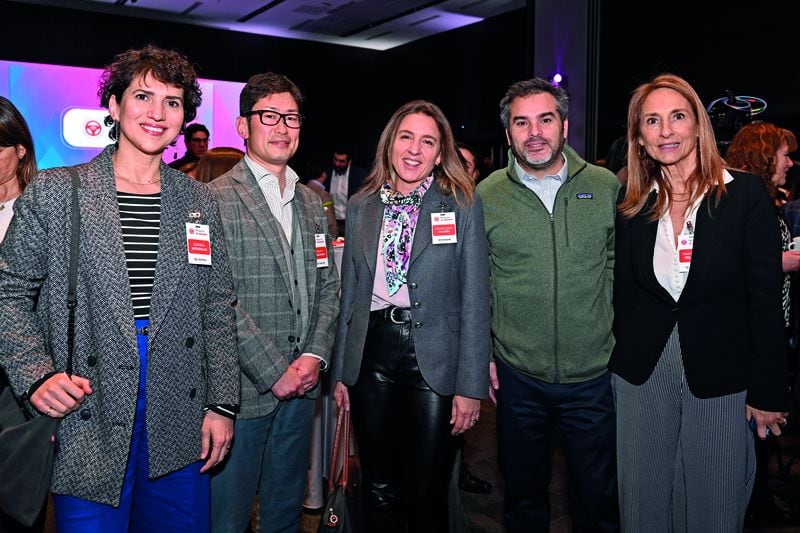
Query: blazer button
pixel 192 393
pixel 418 325
pixel 86 414
pixel 189 342
pixel 91 360
pixel 413 285
pixel 415 305
pixel 291 338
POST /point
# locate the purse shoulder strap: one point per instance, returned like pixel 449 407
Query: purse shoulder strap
pixel 337 439
pixel 72 292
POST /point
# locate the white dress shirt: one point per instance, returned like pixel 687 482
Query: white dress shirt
pixel 340 185
pixel 279 204
pixel 665 253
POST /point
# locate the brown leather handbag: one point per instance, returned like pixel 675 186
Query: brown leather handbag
pixel 342 511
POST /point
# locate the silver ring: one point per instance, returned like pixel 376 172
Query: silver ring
pixel 49 410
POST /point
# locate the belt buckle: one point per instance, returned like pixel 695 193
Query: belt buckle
pixel 392 318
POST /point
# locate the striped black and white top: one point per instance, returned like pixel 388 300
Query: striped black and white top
pixel 140 215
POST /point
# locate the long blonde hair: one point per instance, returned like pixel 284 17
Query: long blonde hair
pixel 450 174
pixel 644 171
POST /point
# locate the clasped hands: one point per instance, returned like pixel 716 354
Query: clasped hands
pixel 300 377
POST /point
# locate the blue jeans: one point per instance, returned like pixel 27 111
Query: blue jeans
pixel 529 412
pixel 270 454
pixel 176 502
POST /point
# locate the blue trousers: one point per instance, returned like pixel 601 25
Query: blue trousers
pixel 270 455
pixel 177 502
pixel 528 413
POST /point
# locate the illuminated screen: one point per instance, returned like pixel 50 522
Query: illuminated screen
pixel 61 107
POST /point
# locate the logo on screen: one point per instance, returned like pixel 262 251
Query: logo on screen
pixel 83 128
pixel 92 128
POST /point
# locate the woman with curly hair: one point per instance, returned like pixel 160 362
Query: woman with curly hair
pixel 149 405
pixel 763 149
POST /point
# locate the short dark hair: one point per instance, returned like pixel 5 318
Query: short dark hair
pixel 14 132
pixel 167 66
pixel 191 129
pixel 525 88
pixel 263 85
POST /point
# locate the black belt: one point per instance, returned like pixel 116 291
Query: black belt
pixel 397 315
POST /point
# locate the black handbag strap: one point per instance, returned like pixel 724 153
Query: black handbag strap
pixel 72 291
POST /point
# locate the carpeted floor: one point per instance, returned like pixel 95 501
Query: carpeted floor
pixel 484 512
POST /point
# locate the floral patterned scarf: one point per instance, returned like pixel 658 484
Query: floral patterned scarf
pixel 399 220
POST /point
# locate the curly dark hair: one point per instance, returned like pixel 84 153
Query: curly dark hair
pixel 167 66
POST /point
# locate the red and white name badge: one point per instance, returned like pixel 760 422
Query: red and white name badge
pixel 320 250
pixel 443 228
pixel 685 246
pixel 198 243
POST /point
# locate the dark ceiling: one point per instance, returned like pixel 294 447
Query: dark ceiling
pixel 373 24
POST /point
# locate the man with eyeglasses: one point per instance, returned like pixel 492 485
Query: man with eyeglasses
pixel 195 137
pixel 287 286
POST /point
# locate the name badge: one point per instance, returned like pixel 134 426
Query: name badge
pixel 198 243
pixel 685 245
pixel 321 250
pixel 443 228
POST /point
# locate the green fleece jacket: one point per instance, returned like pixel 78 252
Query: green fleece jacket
pixel 552 274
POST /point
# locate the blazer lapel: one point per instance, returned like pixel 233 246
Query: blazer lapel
pixel 172 255
pixel 643 239
pixel 304 214
pixel 372 225
pixel 433 202
pixel 253 198
pixel 101 231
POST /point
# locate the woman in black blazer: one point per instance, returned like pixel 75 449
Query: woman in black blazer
pixel 698 320
pixel 412 346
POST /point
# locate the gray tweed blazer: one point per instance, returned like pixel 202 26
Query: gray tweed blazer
pixel 192 359
pixel 266 320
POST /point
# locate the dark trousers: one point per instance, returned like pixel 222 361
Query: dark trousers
pixel 528 413
pixel 403 432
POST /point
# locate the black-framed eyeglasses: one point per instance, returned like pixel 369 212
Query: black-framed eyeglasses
pixel 271 118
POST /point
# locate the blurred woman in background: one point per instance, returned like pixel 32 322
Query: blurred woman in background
pixel 17 168
pixel 17 160
pixel 216 162
pixel 763 149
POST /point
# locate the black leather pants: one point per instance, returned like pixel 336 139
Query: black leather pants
pixel 403 431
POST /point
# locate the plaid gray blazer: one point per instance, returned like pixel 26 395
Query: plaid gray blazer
pixel 266 324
